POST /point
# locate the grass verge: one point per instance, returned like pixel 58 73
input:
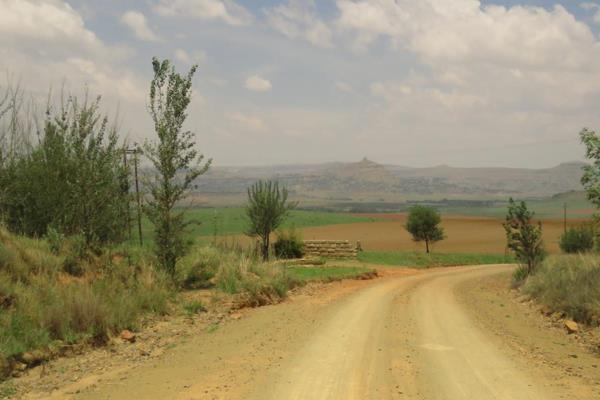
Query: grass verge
pixel 569 284
pixel 49 301
pixel 423 260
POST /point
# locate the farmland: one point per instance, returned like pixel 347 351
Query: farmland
pixel 469 229
pixel 385 233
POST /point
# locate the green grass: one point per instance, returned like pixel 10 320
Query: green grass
pixel 41 304
pixel 326 274
pixel 577 207
pixel 423 260
pixel 206 222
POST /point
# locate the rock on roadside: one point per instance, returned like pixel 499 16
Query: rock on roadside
pixel 571 326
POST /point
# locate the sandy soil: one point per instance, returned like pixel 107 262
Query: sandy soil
pixel 433 334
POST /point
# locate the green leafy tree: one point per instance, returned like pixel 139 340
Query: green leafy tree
pixel 591 173
pixel 267 208
pixel 523 236
pixel 174 158
pixel 423 224
pixel 72 180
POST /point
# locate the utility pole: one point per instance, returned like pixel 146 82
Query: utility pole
pixel 135 152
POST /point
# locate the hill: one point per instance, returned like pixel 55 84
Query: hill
pixel 366 182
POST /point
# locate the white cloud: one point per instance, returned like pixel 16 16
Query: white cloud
pixel 593 7
pixel 43 20
pixel 464 30
pixel 512 58
pixel 298 19
pixel 46 42
pixel 247 122
pixel 137 22
pixel 226 10
pixel 258 84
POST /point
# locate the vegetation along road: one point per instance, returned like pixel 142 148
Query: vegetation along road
pixel 409 335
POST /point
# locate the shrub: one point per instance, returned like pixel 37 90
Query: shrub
pixel 577 240
pixel 256 284
pixel 71 179
pixel 569 284
pixel 196 270
pixel 289 245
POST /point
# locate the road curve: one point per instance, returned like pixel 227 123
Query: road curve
pixel 404 338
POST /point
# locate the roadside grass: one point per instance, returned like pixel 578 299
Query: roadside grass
pixel 327 274
pixel 252 282
pixel 569 284
pixel 423 260
pixel 44 306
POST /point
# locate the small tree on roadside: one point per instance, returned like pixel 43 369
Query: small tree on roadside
pixel 267 208
pixel 174 158
pixel 524 237
pixel 423 224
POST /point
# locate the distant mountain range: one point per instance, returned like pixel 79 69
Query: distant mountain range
pixel 367 181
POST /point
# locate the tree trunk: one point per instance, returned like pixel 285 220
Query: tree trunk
pixel 427 246
pixel 265 249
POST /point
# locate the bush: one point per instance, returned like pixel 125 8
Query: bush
pixel 289 245
pixel 577 240
pixel 72 179
pixel 569 284
pixel 257 284
pixel 196 270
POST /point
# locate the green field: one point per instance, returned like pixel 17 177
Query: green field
pixel 423 260
pixel 577 207
pixel 326 274
pixel 206 222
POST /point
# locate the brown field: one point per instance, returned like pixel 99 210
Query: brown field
pixel 464 234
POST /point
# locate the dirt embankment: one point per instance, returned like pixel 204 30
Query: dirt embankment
pixel 433 334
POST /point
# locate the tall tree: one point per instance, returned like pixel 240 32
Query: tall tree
pixel 523 236
pixel 174 158
pixel 591 173
pixel 423 224
pixel 267 208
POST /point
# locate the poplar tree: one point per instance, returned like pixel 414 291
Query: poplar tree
pixel 175 160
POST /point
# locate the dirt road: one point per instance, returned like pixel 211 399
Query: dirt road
pixel 405 336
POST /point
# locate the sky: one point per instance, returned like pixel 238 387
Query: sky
pixel 465 83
